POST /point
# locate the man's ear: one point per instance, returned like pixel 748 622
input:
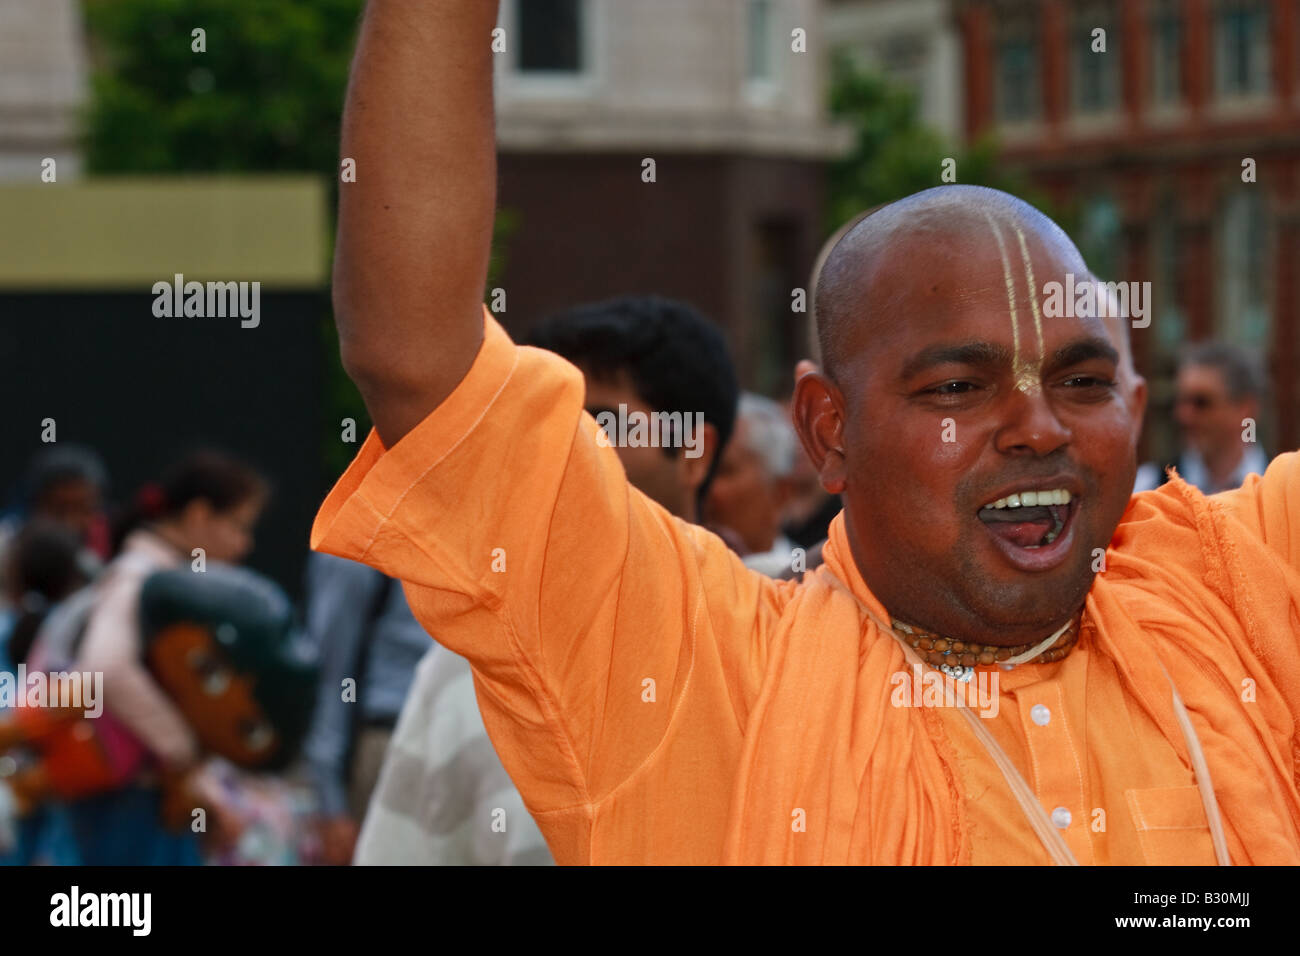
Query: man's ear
pixel 818 415
pixel 693 471
pixel 1138 402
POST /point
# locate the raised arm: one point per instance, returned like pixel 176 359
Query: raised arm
pixel 415 229
pixel 510 523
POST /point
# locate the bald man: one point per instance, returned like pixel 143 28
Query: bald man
pixel 1004 658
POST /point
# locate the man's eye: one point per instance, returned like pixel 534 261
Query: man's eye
pixel 1089 381
pixel 951 388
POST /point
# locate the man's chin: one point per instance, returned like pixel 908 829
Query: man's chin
pixel 1013 611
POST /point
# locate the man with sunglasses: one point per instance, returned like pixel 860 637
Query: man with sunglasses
pixel 1217 408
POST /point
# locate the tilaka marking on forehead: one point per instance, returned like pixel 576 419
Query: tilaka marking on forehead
pixel 1025 374
pixel 1033 304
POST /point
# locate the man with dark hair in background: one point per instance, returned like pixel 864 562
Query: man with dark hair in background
pixel 442 781
pixel 1220 387
pixel 652 354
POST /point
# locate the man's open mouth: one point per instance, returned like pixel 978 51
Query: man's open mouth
pixel 1029 519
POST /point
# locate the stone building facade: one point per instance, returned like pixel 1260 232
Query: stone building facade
pixel 727 97
pixel 42 87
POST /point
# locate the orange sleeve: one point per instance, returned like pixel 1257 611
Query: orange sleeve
pixel 1269 505
pixel 523 548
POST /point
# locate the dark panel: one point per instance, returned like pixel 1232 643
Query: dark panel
pixel 142 389
pixel 778 227
pixel 589 228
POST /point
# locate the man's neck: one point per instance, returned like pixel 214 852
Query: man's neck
pixel 1222 463
pixel 1003 638
pixel 690 512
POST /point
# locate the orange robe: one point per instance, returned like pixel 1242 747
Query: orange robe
pixel 657 702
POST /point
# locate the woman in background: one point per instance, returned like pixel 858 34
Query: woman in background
pixel 205 501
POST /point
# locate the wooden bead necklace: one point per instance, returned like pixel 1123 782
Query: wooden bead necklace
pixel 958 659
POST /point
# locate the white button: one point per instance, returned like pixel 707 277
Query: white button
pixel 1040 715
pixel 1007 667
pixel 1061 817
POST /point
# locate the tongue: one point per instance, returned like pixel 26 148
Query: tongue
pixel 1024 527
pixel 1023 534
pixel 1017 515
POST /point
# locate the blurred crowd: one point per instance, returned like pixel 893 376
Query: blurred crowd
pixel 238 729
pixel 112 592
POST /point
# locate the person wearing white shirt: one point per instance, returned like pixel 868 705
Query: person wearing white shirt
pixel 1217 408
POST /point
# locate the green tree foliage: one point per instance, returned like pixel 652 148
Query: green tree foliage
pixel 265 95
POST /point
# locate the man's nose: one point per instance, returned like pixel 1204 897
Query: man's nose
pixel 1032 426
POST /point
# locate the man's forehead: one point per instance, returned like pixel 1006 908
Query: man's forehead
pixel 969 257
pixel 983 337
pixel 607 388
pixel 930 322
pixel 1203 375
pixel 954 264
pixel 954 297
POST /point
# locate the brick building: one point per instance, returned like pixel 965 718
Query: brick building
pixel 1145 144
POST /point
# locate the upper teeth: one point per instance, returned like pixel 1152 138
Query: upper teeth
pixel 1057 496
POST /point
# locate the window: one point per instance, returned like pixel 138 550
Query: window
pixel 1167 318
pixel 549 36
pixel 1100 235
pixel 1018 85
pixel 1168 329
pixel 1241 60
pixel 1166 33
pixel 903 57
pixel 1243 270
pixel 781 335
pixel 759 67
pixel 1094 79
pixel 553 50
